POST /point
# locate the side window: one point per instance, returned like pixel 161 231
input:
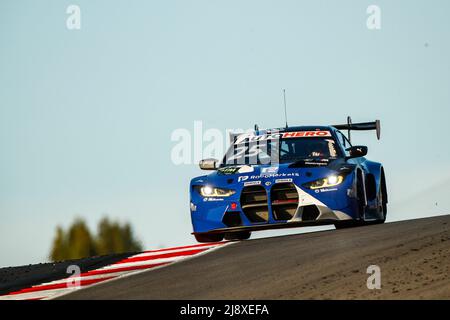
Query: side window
pixel 341 138
pixel 344 143
pixel 347 143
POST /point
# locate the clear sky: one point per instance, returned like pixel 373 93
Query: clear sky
pixel 86 115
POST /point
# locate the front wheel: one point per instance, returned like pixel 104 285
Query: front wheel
pixel 382 204
pixel 360 207
pixel 212 237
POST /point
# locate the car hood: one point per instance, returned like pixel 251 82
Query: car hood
pixel 300 171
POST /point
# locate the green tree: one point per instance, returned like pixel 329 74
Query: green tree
pixel 114 238
pixel 81 243
pixel 60 246
pixel 77 242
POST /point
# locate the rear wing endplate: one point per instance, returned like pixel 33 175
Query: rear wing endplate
pixel 363 126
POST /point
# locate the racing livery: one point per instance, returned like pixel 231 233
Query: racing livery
pixel 288 177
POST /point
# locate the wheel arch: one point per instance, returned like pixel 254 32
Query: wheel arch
pixel 376 172
pixel 375 183
pixel 383 184
pixel 361 176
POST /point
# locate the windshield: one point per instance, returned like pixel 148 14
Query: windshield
pixel 281 150
pixel 311 148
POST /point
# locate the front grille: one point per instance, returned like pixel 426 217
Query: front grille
pixel 284 200
pixel 254 204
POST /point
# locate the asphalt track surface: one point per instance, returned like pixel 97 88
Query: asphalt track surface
pixel 413 256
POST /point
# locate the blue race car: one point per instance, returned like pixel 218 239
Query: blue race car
pixel 288 177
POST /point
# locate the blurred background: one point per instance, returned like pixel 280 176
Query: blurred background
pixel 86 116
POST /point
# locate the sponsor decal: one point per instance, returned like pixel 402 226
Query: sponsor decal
pixel 306 134
pixel 242 178
pixel 283 180
pixel 268 183
pixel 245 138
pixel 252 183
pixel 212 199
pixel 280 175
pixel 326 190
pixel 227 170
pixel 270 175
pixel 270 170
pixel 316 164
pixel 234 170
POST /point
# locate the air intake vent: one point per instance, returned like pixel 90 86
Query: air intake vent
pixel 254 204
pixel 310 213
pixel 232 219
pixel 284 199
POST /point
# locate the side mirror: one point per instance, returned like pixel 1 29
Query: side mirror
pixel 208 164
pixel 357 151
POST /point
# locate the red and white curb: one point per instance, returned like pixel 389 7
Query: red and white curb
pixel 133 264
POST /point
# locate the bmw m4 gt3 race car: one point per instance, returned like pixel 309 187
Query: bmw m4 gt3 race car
pixel 288 177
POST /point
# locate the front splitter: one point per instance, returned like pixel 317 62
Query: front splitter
pixel 267 226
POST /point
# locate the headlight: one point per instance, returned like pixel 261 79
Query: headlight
pixel 330 181
pixel 208 191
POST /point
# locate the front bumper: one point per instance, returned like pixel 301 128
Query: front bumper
pixel 274 206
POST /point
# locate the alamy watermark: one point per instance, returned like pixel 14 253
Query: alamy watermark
pixel 73 21
pixel 373 21
pixel 232 146
pixel 73 282
pixel 374 280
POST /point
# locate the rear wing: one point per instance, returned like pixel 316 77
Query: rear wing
pixel 363 126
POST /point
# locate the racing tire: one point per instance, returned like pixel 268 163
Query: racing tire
pixel 237 236
pixel 212 237
pixel 382 200
pixel 361 207
pixel 381 210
